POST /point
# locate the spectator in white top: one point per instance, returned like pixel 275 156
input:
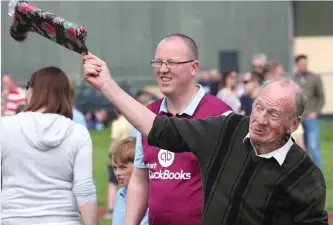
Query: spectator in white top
pixel 46 158
pixel 227 92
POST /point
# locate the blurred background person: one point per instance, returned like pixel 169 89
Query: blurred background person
pixel 313 88
pixel 227 92
pixel 298 136
pixel 205 80
pixel 78 116
pixel 13 95
pixel 47 158
pixel 251 83
pixel 102 119
pixel 273 69
pixel 145 98
pixel 215 78
pixel 90 119
pixel 258 63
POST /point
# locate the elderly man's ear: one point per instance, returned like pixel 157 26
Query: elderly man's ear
pixel 294 125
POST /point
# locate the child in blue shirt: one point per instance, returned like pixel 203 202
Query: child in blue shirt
pixel 121 158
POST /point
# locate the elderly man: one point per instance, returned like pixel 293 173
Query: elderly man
pixel 253 172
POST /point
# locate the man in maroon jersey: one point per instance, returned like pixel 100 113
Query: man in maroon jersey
pixel 171 183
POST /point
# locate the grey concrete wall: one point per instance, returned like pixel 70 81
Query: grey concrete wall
pixel 313 18
pixel 125 34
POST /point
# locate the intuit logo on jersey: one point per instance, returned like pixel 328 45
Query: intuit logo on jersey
pixel 167 175
pixel 165 157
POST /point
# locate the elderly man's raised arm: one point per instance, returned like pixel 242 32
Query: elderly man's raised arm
pixel 199 136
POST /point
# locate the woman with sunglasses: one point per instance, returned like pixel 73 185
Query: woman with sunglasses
pixel 46 158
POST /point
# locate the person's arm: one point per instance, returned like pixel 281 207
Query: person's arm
pixel 137 114
pixel 311 211
pixel 98 75
pixel 186 134
pixel 320 95
pixel 83 187
pixel 199 136
pixel 138 188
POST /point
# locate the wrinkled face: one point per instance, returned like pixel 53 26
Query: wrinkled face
pixel 302 65
pixel 273 115
pixel 123 172
pixel 174 78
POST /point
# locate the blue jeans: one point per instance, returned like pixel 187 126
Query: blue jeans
pixel 312 139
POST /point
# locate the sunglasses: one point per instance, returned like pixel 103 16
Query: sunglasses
pixel 246 81
pixel 28 85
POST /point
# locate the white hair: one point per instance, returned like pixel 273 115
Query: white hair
pixel 299 95
pixel 260 56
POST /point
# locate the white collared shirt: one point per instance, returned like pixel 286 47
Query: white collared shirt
pixel 278 154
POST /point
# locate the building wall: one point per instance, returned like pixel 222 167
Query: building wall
pixel 313 18
pixel 314 38
pixel 125 35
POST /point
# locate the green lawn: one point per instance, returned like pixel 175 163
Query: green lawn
pixel 101 144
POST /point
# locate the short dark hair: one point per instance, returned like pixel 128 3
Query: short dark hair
pixel 257 77
pixel 190 43
pixel 271 66
pixel 143 92
pixel 299 57
pixel 225 76
pixel 52 90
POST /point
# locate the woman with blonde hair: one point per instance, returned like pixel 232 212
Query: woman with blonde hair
pixel 46 158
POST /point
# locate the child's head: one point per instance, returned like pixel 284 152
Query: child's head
pixel 122 158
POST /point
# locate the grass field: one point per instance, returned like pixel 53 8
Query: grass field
pixel 101 144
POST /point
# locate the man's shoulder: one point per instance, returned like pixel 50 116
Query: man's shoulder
pixel 302 162
pixel 214 105
pixel 155 105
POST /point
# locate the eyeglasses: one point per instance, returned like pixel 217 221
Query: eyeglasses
pixel 28 85
pixel 168 63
